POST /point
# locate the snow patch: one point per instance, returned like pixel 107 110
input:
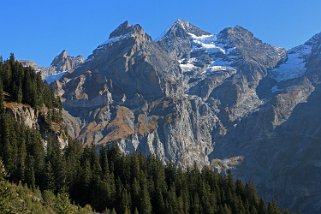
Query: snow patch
pixel 184 24
pixel 117 38
pixel 52 78
pixel 187 67
pixel 207 43
pixel 219 65
pixel 294 66
pixel 220 68
pixel 276 89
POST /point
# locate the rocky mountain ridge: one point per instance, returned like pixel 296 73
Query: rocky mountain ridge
pixel 61 63
pixel 227 100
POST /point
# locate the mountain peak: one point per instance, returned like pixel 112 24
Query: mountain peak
pixel 316 39
pixel 126 29
pixel 63 54
pixel 63 62
pixel 183 23
pixel 122 29
pixel 235 32
pixel 183 28
pixel 59 58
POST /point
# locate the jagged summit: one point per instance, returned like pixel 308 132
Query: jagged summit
pixel 183 24
pixel 63 62
pixel 126 30
pixel 60 57
pixel 182 28
pixel 178 39
pixel 122 29
pixel 235 32
pixel 64 54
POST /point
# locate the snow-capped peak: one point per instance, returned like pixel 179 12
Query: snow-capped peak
pixel 181 29
pixel 184 24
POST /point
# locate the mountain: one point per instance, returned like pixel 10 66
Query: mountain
pixel 61 64
pixel 226 100
pixel 280 141
pixel 39 173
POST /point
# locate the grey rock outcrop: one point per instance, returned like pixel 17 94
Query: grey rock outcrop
pixel 37 119
pixel 61 63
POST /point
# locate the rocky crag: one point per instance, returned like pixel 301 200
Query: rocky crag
pixel 61 63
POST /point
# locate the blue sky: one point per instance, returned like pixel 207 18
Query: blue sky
pixel 39 29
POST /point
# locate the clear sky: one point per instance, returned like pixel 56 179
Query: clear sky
pixel 40 29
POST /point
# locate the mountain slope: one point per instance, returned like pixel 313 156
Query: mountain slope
pixel 286 126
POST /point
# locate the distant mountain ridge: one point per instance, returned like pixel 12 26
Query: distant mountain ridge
pixel 61 63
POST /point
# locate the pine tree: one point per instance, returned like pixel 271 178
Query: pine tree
pixel 1 98
pixel 272 208
pixel 104 162
pixel 63 205
pixel 22 154
pixel 146 207
pixel 30 172
pixel 159 203
pixel 49 177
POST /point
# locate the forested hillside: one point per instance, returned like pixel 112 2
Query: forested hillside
pixel 108 180
pixel 20 199
pixel 23 85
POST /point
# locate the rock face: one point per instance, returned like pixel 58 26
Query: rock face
pixel 61 63
pixel 37 119
pixel 227 100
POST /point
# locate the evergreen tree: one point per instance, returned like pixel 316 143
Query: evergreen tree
pixel 49 177
pixel 145 207
pixel 1 98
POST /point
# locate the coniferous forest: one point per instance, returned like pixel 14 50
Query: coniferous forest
pixel 101 177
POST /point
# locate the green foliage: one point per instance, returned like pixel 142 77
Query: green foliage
pixel 112 182
pixel 20 199
pixel 24 85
